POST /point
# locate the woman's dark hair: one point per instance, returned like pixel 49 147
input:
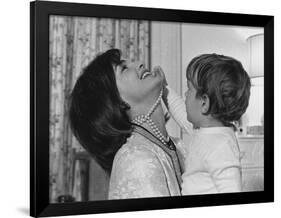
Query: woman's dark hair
pixel 97 113
pixel 226 83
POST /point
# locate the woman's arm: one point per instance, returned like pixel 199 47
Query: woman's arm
pixel 137 175
pixel 177 109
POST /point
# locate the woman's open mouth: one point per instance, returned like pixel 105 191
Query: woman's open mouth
pixel 146 73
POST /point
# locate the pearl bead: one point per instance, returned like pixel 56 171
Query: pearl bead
pixel 146 118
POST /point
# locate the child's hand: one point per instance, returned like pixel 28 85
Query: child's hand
pixel 159 70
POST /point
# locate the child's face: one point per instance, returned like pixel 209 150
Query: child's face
pixel 193 105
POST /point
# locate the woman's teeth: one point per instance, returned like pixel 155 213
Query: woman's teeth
pixel 145 75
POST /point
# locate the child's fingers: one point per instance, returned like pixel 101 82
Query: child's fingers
pixel 158 69
pixel 163 75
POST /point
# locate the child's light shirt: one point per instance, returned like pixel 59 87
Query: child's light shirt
pixel 212 156
pixel 212 162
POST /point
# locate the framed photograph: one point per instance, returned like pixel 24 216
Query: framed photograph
pixel 111 130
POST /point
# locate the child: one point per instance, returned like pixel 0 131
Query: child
pixel 218 94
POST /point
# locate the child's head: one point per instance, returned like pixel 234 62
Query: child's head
pixel 218 90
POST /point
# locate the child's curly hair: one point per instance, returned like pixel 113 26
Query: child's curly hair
pixel 226 83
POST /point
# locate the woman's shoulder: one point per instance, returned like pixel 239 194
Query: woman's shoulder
pixel 136 148
pixel 137 171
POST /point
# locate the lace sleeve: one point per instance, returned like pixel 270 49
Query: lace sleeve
pixel 137 174
pixel 176 107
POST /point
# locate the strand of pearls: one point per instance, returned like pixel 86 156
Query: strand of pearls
pixel 140 119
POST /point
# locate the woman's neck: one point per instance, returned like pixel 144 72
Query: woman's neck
pixel 158 118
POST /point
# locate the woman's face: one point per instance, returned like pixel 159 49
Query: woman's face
pixel 136 84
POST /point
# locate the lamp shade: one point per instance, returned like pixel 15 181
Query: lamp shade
pixel 256 55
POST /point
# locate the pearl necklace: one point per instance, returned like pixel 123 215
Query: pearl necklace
pixel 140 119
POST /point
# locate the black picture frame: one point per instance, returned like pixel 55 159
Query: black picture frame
pixel 39 107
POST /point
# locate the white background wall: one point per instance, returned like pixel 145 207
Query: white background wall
pixel 226 40
pixel 14 95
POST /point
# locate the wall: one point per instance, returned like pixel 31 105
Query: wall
pixel 220 39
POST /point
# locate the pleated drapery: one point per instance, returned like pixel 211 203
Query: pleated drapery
pixel 74 42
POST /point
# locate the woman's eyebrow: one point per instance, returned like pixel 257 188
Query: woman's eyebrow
pixel 121 63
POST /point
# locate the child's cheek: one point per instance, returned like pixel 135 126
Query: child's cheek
pixel 186 104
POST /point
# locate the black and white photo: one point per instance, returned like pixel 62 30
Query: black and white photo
pixel 156 112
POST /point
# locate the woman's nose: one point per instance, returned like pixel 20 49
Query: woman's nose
pixel 139 65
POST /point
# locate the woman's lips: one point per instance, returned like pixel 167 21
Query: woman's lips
pixel 145 74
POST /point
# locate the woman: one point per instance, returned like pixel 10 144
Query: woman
pixel 116 115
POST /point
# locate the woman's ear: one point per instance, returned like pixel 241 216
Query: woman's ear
pixel 125 105
pixel 205 104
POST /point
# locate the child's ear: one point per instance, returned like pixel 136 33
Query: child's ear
pixel 205 104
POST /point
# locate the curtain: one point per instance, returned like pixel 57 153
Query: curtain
pixel 74 42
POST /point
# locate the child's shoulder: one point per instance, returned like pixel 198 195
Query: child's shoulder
pixel 214 134
pixel 219 139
